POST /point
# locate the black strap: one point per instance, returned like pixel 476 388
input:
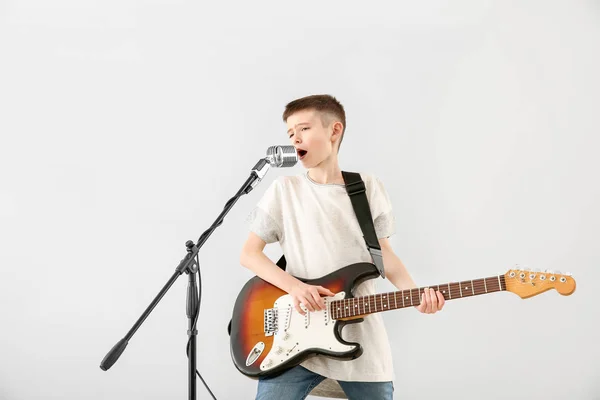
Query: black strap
pixel 356 189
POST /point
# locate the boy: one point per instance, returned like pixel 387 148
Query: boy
pixel 312 218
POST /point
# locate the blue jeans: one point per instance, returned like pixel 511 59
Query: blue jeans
pixel 296 383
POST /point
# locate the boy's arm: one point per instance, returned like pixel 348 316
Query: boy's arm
pixel 395 271
pixel 253 258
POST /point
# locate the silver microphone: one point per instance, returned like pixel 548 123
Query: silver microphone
pixel 282 156
pixel 278 157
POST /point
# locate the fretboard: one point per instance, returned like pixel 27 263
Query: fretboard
pixel 379 302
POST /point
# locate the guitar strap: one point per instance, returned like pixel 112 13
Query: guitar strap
pixel 355 187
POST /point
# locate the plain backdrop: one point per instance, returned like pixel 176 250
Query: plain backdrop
pixel 127 125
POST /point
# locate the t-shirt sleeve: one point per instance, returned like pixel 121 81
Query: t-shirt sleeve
pixel 266 218
pixel 381 209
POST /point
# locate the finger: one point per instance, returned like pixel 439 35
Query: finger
pixel 326 291
pixel 421 307
pixel 427 301
pixel 441 300
pixel 319 303
pixel 297 306
pixel 309 302
pixel 434 300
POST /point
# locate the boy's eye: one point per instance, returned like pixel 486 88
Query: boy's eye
pixel 300 129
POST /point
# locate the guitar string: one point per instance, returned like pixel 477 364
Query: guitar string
pixel 375 302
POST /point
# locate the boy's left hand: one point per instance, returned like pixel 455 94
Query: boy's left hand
pixel 431 301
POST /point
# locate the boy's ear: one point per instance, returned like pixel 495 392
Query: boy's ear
pixel 337 129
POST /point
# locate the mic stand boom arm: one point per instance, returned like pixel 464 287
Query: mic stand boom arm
pixel 190 266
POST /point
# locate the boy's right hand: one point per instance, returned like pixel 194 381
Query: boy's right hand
pixel 310 296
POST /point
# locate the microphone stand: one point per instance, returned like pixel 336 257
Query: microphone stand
pixel 190 265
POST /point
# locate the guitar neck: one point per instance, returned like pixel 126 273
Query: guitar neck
pixel 360 306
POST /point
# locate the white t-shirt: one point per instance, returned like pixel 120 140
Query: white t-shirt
pixel 319 233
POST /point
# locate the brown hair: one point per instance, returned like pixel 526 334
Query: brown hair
pixel 327 106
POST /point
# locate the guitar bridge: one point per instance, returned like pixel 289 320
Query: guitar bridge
pixel 271 321
pixel 276 318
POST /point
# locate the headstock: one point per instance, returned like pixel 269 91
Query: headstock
pixel 528 283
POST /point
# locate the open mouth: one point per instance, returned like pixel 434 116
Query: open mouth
pixel 301 153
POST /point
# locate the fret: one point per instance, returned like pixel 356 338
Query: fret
pixel 369 303
pixel 411 301
pixel 346 313
pixel 395 301
pixel 449 292
pixel 472 287
pixel 359 301
pixel 484 289
pixel 499 283
pixel 485 284
pixel 402 294
pixel 493 284
pixel 350 308
pixel 460 287
pixel 466 287
pixel 455 286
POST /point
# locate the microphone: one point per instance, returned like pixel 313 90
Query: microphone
pixel 278 157
pixel 282 156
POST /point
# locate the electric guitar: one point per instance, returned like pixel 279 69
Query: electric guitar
pixel 269 336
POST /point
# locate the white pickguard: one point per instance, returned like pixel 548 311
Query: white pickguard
pixel 313 330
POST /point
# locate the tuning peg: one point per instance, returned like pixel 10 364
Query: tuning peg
pixel 568 274
pixel 549 271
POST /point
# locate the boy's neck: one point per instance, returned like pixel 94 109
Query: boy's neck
pixel 327 172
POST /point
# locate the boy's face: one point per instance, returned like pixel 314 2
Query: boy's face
pixel 313 141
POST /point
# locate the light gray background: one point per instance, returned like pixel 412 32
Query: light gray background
pixel 126 126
